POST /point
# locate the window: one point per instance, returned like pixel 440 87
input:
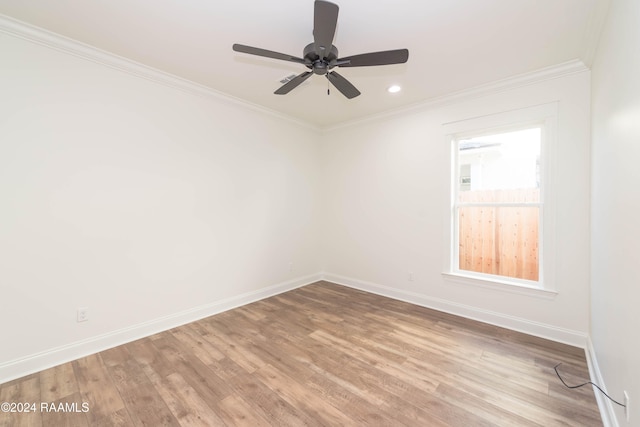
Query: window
pixel 497 207
pixel 501 217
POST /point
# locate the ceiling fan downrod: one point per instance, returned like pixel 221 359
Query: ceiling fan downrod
pixel 320 60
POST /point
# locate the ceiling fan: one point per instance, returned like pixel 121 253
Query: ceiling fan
pixel 321 56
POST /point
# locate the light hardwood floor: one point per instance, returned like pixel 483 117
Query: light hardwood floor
pixel 321 355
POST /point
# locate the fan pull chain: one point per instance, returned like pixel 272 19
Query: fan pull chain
pixel 328 85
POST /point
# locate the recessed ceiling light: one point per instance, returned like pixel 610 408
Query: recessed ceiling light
pixel 394 89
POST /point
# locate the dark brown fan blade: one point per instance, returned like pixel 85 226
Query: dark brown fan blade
pixel 387 57
pixel 294 83
pixel 266 53
pixel 325 19
pixel 343 85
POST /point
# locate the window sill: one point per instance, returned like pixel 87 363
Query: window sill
pixel 498 285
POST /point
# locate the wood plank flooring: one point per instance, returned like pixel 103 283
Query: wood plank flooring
pixel 321 355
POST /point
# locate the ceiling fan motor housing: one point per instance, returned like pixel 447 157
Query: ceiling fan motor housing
pixel 319 65
pixel 321 56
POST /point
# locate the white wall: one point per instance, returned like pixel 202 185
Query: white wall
pixel 615 227
pixel 385 202
pixel 152 206
pixel 138 201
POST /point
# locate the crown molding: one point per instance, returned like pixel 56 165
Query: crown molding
pixel 525 79
pixel 49 39
pixel 594 29
pixel 69 46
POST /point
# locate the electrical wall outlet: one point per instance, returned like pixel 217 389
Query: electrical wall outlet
pixel 626 405
pixel 82 314
pixel 410 276
pixel 291 266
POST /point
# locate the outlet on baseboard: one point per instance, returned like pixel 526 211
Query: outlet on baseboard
pixel 82 314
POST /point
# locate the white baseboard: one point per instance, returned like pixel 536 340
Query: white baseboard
pixel 604 405
pixel 554 333
pixel 56 356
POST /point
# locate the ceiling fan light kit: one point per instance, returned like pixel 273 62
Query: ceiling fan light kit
pixel 321 56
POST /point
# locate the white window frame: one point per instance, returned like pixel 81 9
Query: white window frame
pixel 545 117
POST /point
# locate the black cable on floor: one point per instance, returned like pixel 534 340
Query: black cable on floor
pixel 581 385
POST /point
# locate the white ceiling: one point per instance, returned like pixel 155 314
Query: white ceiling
pixel 453 44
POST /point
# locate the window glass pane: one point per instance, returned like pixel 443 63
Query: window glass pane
pixel 491 164
pixel 499 240
pixel 518 195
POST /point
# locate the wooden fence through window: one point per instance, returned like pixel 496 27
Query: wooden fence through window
pixel 500 240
